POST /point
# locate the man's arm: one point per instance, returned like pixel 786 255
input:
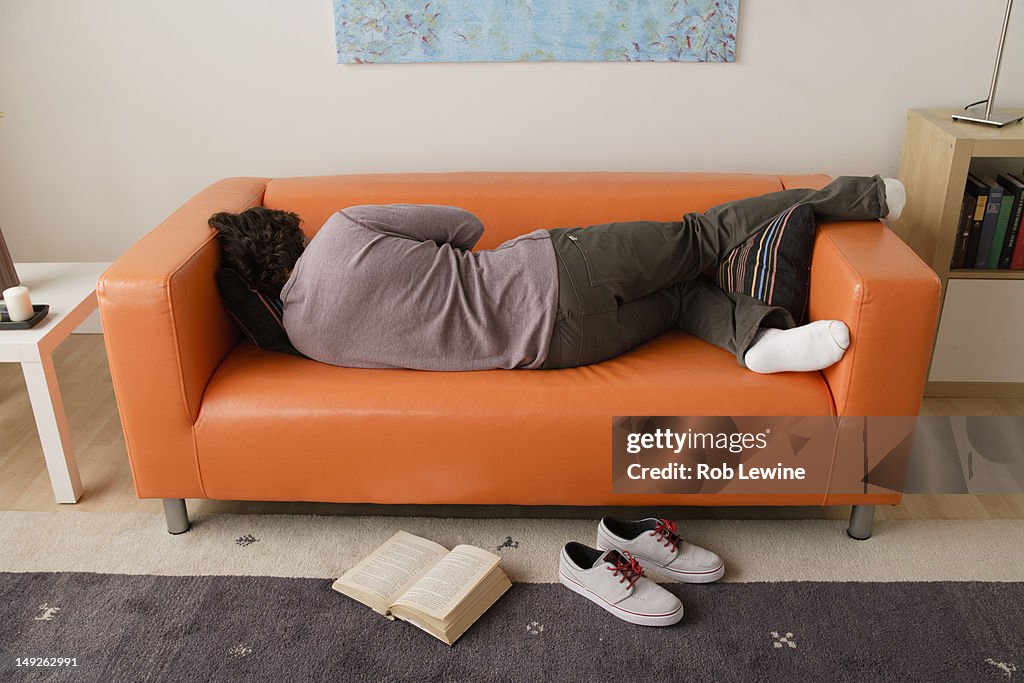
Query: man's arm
pixel 421 222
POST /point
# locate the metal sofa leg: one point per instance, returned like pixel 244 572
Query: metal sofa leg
pixel 862 518
pixel 176 515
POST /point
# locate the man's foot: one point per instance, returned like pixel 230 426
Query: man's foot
pixel 657 543
pixel 895 197
pixel 615 582
pixel 814 346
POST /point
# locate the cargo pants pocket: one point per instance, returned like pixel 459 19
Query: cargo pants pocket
pixel 607 256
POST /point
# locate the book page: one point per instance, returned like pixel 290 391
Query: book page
pixel 441 589
pixel 392 568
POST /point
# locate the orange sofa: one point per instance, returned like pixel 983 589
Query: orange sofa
pixel 208 415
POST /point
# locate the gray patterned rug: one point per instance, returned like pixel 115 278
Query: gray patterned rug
pixel 141 628
pixel 248 597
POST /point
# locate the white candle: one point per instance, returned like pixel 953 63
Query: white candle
pixel 19 306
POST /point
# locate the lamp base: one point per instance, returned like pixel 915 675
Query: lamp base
pixel 996 118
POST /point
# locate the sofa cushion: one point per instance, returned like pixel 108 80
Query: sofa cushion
pixel 276 427
pixel 510 204
pixel 258 316
pixel 774 265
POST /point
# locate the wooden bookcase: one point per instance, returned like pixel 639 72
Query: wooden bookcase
pixel 979 347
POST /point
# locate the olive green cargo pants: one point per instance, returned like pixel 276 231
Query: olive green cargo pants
pixel 622 284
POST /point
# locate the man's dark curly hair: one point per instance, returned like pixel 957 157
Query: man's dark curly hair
pixel 260 244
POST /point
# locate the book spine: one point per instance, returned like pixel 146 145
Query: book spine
pixel 963 229
pixel 1012 231
pixel 975 236
pixel 1017 261
pixel 999 235
pixel 988 226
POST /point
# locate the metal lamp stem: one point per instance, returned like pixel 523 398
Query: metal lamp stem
pixel 999 59
pixel 1000 119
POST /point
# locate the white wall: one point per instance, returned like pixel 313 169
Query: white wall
pixel 118 111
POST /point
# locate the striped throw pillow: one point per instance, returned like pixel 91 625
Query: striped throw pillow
pixel 774 265
pixel 259 317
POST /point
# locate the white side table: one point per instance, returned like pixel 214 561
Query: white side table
pixel 70 290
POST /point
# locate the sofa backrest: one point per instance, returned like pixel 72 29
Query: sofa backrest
pixel 511 204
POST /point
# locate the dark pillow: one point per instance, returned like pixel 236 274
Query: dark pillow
pixel 257 315
pixel 774 266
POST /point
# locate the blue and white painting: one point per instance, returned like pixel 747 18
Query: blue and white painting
pixel 535 30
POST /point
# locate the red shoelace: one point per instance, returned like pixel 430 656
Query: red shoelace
pixel 666 532
pixel 630 568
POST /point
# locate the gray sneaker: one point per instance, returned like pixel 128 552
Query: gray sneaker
pixel 657 543
pixel 616 582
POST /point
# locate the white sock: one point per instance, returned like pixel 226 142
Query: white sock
pixel 814 346
pixel 895 197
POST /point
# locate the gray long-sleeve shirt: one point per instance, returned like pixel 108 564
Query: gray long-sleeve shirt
pixel 396 286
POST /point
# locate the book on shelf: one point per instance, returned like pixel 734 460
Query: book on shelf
pixel 978 190
pixel 1017 260
pixel 988 227
pixel 999 236
pixel 963 230
pixel 1014 186
pixel 421 582
pixel 1017 257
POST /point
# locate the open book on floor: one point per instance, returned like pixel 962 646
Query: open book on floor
pixel 440 591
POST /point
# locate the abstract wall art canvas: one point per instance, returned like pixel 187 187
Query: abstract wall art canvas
pixel 535 30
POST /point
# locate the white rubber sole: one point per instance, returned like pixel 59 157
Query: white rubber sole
pixel 625 615
pixel 685 577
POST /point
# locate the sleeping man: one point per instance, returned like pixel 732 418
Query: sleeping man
pixel 397 285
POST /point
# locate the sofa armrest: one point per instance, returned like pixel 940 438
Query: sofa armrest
pixel 865 275
pixel 166 331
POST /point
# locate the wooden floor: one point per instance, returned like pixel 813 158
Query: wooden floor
pixel 96 431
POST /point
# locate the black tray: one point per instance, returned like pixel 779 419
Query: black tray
pixel 6 324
